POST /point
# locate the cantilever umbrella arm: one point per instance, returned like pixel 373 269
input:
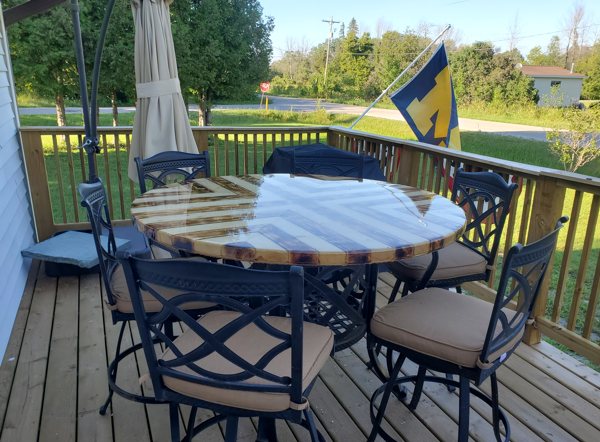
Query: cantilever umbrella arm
pixel 90 144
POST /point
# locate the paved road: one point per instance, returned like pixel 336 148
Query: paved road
pixel 307 104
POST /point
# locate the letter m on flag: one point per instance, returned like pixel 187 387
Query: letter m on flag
pixel 428 105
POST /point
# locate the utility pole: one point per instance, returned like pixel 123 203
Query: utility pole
pixel 331 23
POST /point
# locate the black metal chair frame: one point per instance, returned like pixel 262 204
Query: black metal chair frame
pixel 158 168
pixel 163 165
pixel 94 201
pixel 485 196
pixel 252 293
pixel 523 272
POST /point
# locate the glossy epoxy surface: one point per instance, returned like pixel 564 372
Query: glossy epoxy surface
pixel 309 220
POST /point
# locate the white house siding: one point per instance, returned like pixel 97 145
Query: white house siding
pixel 569 91
pixel 16 230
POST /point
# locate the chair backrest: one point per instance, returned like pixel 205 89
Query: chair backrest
pixel 486 198
pixel 93 198
pixel 321 159
pixel 522 274
pixel 236 289
pixel 171 166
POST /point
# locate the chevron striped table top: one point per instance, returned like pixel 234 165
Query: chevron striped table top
pixel 306 220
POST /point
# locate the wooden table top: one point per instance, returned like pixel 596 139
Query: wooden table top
pixel 306 220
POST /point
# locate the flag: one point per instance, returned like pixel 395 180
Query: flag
pixel 428 105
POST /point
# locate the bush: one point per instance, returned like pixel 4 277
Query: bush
pixel 577 145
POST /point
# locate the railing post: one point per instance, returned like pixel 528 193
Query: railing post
pixel 201 138
pixel 548 202
pixel 38 184
pixel 408 166
pixel 332 138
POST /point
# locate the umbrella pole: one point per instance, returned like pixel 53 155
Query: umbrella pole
pixel 87 144
pixel 97 63
pixel 90 124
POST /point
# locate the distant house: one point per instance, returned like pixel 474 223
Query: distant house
pixel 556 86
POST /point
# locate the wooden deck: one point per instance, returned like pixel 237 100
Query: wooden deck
pixel 53 379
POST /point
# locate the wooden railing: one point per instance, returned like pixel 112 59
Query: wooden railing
pixel 567 308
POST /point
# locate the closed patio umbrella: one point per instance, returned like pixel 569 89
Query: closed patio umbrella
pixel 161 121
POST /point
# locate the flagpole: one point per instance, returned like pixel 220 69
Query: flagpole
pixel 434 41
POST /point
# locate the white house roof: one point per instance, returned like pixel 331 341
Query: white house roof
pixel 549 71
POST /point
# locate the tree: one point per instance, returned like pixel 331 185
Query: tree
pixel 223 48
pixel 578 145
pixel 552 57
pixel 573 23
pixel 471 66
pixel 514 31
pixel 481 75
pixel 553 52
pixel 510 86
pixel 394 53
pixel 117 73
pixel 351 65
pixel 43 57
pixel 590 66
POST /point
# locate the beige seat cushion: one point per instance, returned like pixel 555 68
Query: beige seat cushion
pixel 454 261
pixel 251 344
pixel 439 323
pixel 123 303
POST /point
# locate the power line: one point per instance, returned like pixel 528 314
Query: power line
pixel 547 33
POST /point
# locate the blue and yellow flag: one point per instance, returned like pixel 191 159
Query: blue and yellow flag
pixel 428 105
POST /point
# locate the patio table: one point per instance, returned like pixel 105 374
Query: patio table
pixel 340 229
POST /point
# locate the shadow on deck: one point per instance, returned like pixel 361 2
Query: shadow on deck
pixel 53 379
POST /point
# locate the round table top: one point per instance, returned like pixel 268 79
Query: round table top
pixel 306 220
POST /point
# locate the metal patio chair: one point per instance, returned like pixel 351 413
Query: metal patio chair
pixel 244 360
pixel 117 300
pixel 172 166
pixel 486 199
pixel 461 335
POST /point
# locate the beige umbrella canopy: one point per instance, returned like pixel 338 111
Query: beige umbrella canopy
pixel 161 121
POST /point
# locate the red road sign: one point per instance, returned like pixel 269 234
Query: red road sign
pixel 265 86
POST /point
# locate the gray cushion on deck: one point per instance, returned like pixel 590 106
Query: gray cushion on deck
pixel 70 247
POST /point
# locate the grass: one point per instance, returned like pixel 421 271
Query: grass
pixel 531 115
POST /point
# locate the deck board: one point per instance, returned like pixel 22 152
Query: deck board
pixel 60 397
pixel 53 379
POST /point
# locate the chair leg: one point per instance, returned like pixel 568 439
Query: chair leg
pixel 495 407
pixel 267 432
pixel 376 420
pixel 231 429
pixel 174 421
pixel 315 436
pixel 113 375
pixel 418 388
pixel 190 427
pixel 405 290
pixel 463 413
pixel 395 291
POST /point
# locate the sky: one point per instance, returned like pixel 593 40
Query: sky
pixel 298 23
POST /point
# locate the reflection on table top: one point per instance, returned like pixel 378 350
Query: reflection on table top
pixel 308 220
